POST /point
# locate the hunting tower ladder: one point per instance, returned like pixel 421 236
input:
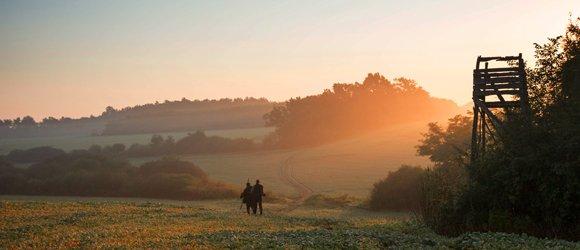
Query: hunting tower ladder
pixel 502 87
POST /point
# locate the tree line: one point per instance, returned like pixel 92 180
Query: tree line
pixel 193 143
pixel 180 115
pixel 28 121
pixel 352 108
pixel 84 173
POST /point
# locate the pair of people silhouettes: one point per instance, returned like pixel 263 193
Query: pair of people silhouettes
pixel 252 197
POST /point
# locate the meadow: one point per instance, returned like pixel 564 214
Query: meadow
pixel 72 222
pixel 349 166
pixel 82 142
pixel 345 167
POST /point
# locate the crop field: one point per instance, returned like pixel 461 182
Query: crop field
pixel 49 222
pixel 345 167
pixel 83 142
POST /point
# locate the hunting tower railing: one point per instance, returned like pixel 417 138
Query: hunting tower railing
pixel 496 87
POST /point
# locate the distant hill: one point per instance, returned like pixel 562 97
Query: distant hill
pixel 169 116
pixel 188 115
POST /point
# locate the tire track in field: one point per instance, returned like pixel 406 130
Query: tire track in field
pixel 287 176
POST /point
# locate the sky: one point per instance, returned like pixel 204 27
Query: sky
pixel 74 58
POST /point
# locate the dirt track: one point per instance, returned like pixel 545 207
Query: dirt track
pixel 287 176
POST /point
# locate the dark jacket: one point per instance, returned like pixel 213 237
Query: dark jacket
pixel 258 192
pixel 246 195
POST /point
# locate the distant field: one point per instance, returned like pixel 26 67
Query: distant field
pixel 39 222
pixel 346 167
pixel 83 142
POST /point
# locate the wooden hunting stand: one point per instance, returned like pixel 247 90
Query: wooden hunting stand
pixel 505 87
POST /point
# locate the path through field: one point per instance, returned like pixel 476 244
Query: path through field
pixel 288 177
pixel 350 166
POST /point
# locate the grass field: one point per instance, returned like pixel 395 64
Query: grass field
pixel 345 167
pixel 83 142
pixel 53 222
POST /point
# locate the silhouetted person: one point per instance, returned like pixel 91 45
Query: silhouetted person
pixel 258 193
pixel 247 198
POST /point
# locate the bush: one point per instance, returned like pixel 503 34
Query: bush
pixel 193 143
pixel 440 190
pixel 10 177
pixel 530 182
pixel 171 165
pixel 82 173
pixel 33 155
pixel 399 191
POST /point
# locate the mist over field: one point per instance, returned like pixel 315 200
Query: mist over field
pixel 289 125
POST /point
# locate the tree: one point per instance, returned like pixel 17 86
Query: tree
pixel 349 109
pixel 109 111
pixel 450 146
pixel 528 181
pixel 8 123
pixel 49 121
pixel 556 76
pixel 28 121
pixel 95 149
pixel 443 185
pixel 156 140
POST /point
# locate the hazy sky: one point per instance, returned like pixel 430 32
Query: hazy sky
pixel 74 58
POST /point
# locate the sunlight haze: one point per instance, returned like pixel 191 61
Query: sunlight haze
pixel 74 58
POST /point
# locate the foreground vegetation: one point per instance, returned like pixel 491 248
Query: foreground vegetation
pixel 94 223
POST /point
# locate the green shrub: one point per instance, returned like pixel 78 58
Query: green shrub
pixel 399 191
pixel 172 165
pixel 33 155
pixel 82 173
pixel 441 189
pixel 529 183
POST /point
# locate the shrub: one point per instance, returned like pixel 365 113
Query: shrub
pixel 530 182
pixel 440 190
pixel 172 165
pixel 193 143
pixel 33 155
pixel 398 191
pixel 82 173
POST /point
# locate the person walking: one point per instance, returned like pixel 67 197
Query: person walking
pixel 258 193
pixel 247 197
